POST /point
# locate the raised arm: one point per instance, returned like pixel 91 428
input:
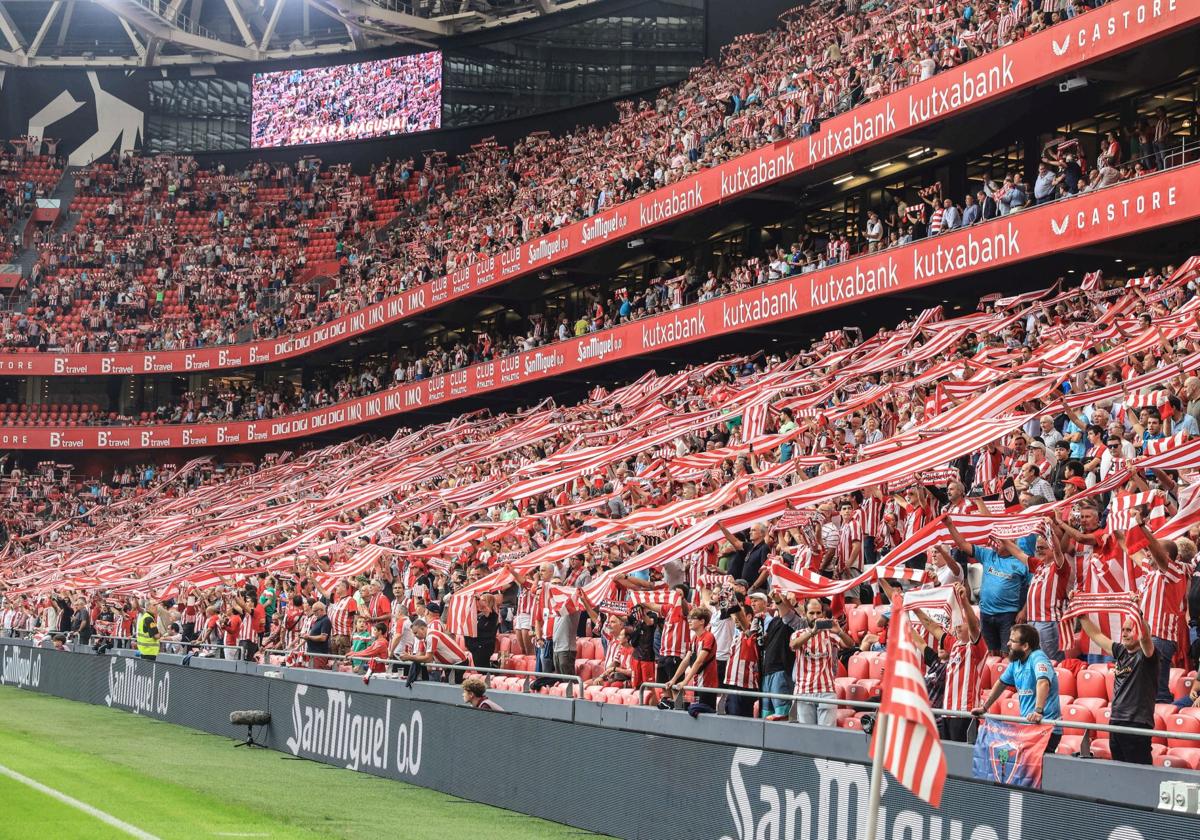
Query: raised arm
pixel 962 545
pixel 734 541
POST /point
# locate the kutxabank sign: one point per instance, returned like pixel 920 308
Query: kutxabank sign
pixel 1164 199
pixel 1072 44
pixel 626 781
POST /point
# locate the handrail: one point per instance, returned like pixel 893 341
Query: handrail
pixel 528 676
pixel 938 712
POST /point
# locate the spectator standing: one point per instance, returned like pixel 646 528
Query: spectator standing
pixel 317 638
pixel 1033 676
pixel 776 656
pixel 1005 584
pixel 966 653
pixel 1134 686
pixel 816 650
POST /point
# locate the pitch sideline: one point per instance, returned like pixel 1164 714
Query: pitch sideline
pixel 107 819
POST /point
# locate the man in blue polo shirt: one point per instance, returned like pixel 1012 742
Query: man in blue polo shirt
pixel 1032 674
pixel 1005 584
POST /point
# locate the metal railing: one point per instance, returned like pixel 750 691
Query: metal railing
pixel 182 648
pixel 866 705
pixel 529 677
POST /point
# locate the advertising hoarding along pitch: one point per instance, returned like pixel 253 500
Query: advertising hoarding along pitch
pixel 1155 201
pixel 1097 34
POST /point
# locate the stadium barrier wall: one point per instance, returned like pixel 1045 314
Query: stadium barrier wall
pixel 1069 46
pixel 1167 198
pixel 626 771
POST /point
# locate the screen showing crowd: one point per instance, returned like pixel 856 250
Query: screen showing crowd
pixel 347 101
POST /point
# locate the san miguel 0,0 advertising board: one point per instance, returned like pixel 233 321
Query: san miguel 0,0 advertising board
pixel 1097 34
pixel 1159 200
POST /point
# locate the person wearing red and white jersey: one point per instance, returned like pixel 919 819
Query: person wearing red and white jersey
pixel 966 654
pixel 698 667
pixel 375 650
pixel 1048 591
pixel 1163 600
pixel 433 647
pixel 617 668
pixel 403 640
pixel 817 647
pixel 254 620
pixel 529 588
pixel 379 607
pixel 342 610
pixel 871 517
pixel 676 637
pixel 742 670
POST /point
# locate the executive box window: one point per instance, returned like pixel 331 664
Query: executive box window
pixel 198 115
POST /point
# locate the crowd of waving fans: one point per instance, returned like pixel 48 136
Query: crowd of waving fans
pixel 1063 172
pixel 167 256
pixel 1048 455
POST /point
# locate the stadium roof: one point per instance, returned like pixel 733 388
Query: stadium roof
pixel 152 33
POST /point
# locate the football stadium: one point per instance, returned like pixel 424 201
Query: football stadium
pixel 656 419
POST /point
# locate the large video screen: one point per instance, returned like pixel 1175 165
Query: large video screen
pixel 347 101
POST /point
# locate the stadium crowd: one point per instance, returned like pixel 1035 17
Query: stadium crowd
pixel 740 524
pixel 134 277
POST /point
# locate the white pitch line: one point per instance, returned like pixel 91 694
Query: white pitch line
pixel 107 819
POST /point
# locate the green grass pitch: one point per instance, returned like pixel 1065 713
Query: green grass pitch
pixel 171 782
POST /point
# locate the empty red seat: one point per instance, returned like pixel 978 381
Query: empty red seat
pixel 1183 724
pixel 1079 714
pixel 1089 683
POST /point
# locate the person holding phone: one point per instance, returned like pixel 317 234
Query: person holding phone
pixel 817 647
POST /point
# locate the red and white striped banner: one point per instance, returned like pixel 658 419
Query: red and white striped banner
pixel 906 739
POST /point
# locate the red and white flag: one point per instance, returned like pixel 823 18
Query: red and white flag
pixel 1091 603
pixel 906 731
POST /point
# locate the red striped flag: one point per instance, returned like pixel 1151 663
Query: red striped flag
pixel 1090 603
pixel 906 731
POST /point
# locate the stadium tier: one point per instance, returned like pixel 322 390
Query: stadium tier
pixel 499 214
pixel 831 415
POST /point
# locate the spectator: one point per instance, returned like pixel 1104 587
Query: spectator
pixel 816 648
pixel 776 656
pixel 1033 676
pixel 475 694
pixel 698 667
pixel 1005 583
pixel 1134 688
pixel 966 652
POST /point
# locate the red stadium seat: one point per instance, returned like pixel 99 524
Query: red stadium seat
pixel 1095 704
pixel 1069 745
pixel 1189 755
pixel 1076 713
pixel 1066 682
pixel 1183 724
pixel 860 666
pixel 1090 683
pixel 1178 762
